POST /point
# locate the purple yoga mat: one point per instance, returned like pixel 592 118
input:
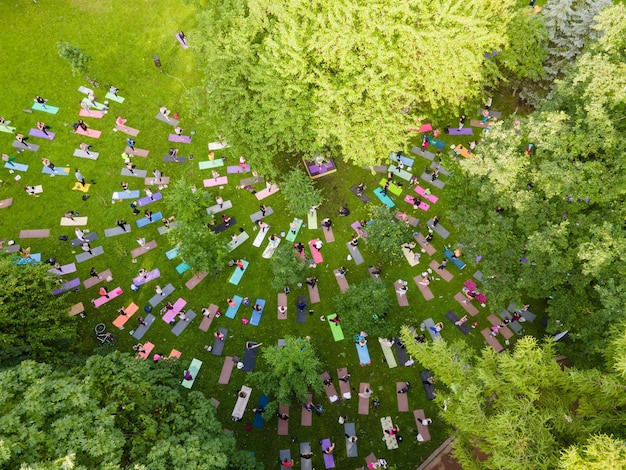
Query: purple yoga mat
pixel 321 169
pixel 181 139
pixel 329 460
pixel 182 43
pixel 457 131
pixel 37 133
pixel 238 169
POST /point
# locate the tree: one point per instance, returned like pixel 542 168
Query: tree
pixel 523 59
pixel 518 410
pixel 287 268
pixel 78 60
pixel 300 192
pixel 111 412
pixel 33 323
pixel 357 315
pixel 599 453
pixel 292 371
pixel 198 246
pixel 386 234
pixel 299 85
pixel 560 237
pixel 570 25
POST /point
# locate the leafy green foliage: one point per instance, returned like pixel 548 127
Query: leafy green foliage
pixel 292 371
pixel 287 268
pixel 386 234
pixel 198 246
pixel 362 308
pixel 78 60
pixel 33 323
pixel 560 217
pixel 110 411
pixel 300 192
pixel 297 84
pixel 599 453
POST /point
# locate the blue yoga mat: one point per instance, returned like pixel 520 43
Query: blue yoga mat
pixel 232 311
pixel 16 166
pixel 238 274
pixel 145 221
pixel 46 108
pixel 384 199
pixel 364 354
pixel 258 418
pixel 256 316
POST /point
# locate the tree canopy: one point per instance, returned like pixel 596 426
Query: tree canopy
pixel 290 79
pixel 292 371
pixel 357 315
pixel 112 412
pixel 522 410
pixel 198 246
pixel 561 236
pixel 33 323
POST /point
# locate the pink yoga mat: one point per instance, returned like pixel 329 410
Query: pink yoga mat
pixel 181 139
pixel 317 255
pixel 215 181
pixel 89 133
pixel 92 114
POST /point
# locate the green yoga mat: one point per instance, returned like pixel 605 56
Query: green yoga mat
pixel 292 236
pixel 393 189
pixel 335 328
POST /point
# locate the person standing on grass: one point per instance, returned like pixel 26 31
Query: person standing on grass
pixel 461 121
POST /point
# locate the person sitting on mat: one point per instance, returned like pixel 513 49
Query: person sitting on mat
pixel 40 100
pixel 344 211
pixel 219 335
pixel 252 345
pixel 165 112
pixel 226 219
pixel 311 281
pixel 257 308
pixel 329 450
pixel 178 130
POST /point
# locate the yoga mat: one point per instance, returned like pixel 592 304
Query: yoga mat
pixel 194 369
pixel 267 192
pixel 41 134
pixel 301 315
pixel 142 250
pixel 112 232
pixel 317 254
pixel 335 328
pixel 57 171
pixel 406 161
pixel 149 200
pixel 150 276
pixel 127 130
pixel 136 173
pixel 256 316
pixel 438 228
pixel 355 253
pixel 69 285
pixel 444 273
pixel 457 131
pixel 158 298
pixel 223 227
pixel 216 208
pixel 93 133
pixel 237 169
pixel 238 274
pixel 21 146
pixel 210 164
pixel 388 353
pixel 97 251
pixel 383 198
pixel 260 237
pixel 182 268
pixel 241 238
pixel 422 192
pixel 92 280
pixel 46 108
pixel 126 194
pixel 312 220
pixel 136 152
pixel 249 359
pixel 292 234
pixel 145 221
pixel 363 353
pixel 180 139
pixel 182 324
pixel 227 370
pixel 16 166
pixel 103 299
pixel 258 421
pixel 76 221
pixel 208 183
pixel 428 178
pixel 40 233
pixel 167 120
pixel 82 154
pixel 232 311
pixel 90 113
pixel 351 448
pixel 423 153
pixel 112 97
pixel 89 237
pixel 259 215
pixel 405 175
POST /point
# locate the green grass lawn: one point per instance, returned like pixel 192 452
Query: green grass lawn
pixel 122 41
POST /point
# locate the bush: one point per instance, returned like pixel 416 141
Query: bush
pixel 79 60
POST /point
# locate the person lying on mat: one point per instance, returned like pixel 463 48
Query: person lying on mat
pixel 252 345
